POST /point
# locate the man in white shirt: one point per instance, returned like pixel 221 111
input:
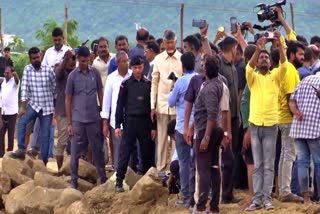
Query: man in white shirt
pixel 55 54
pixel 110 99
pixel 102 61
pixel 9 93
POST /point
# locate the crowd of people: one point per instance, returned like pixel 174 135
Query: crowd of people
pixel 241 114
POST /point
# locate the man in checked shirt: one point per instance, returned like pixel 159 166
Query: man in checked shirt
pixel 305 129
pixel 37 93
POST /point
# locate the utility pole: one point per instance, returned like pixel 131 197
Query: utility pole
pixel 1 33
pixel 181 23
pixel 65 30
pixel 292 15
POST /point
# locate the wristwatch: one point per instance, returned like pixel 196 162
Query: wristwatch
pixel 225 134
pixel 207 138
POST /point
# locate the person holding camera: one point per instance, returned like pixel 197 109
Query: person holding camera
pixel 263 118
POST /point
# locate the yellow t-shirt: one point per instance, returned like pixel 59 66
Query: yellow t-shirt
pixel 287 86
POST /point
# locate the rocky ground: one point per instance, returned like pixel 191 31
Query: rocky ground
pixel 31 188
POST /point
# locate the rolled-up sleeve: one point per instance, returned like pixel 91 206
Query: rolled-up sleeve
pixel 225 99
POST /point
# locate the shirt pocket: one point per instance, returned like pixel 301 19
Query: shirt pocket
pixel 79 86
pixel 92 86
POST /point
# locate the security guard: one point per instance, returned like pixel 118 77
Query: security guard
pixel 133 111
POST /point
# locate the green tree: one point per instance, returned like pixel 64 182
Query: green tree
pixel 44 34
pixel 17 44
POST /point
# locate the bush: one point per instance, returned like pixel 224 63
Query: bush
pixel 20 61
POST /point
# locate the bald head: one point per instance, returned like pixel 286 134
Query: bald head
pixel 142 34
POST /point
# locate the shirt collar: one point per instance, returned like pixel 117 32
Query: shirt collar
pixel 134 79
pixel 225 60
pixel 175 55
pixel 61 49
pixel 78 69
pixel 189 72
pixel 128 72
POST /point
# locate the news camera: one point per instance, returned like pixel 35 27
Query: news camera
pixel 267 12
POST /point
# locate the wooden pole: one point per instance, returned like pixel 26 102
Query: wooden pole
pixel 1 33
pixel 181 23
pixel 292 15
pixel 65 30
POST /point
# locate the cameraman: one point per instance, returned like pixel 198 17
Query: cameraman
pixel 263 119
pixel 291 34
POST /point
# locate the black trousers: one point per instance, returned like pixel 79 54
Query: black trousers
pixel 9 123
pixel 138 127
pixel 208 170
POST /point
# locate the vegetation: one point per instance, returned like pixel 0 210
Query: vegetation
pixel 112 17
pixel 44 34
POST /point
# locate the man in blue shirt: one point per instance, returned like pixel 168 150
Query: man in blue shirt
pixel 305 70
pixel 176 98
pixel 141 37
pixel 122 44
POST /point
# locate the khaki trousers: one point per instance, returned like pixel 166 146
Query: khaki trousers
pixel 163 146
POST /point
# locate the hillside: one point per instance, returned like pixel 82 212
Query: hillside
pixel 112 17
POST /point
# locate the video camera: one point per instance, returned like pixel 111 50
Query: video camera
pixel 267 11
pixel 76 50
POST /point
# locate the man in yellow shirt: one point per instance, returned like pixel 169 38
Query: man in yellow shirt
pixel 295 55
pixel 165 63
pixel 263 119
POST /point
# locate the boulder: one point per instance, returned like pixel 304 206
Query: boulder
pixel 5 183
pixel 28 198
pixel 38 166
pixel 149 188
pixel 83 185
pixel 67 197
pixel 99 193
pixel 78 207
pixel 14 199
pixel 49 181
pixel 86 170
pixel 17 170
pixel 131 178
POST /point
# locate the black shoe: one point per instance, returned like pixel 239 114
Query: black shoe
pixel 18 154
pixel 234 200
pixel 118 187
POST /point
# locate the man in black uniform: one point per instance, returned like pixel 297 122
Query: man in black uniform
pixel 133 111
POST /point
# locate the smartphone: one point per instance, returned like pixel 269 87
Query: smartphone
pixel 268 35
pixel 200 23
pixel 233 24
